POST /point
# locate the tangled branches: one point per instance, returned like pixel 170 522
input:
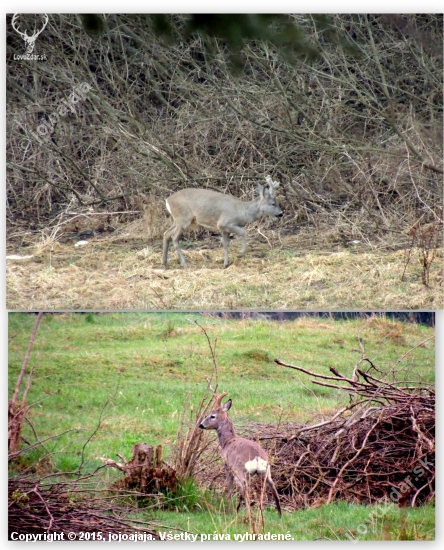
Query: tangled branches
pixel 381 446
pixel 356 134
pixel 39 507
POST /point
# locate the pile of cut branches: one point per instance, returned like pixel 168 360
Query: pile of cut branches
pixel 48 507
pixel 378 448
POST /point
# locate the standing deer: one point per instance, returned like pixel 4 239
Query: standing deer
pixel 242 457
pixel 218 212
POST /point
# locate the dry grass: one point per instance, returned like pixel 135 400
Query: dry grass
pixel 121 273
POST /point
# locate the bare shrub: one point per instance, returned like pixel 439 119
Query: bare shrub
pixel 355 135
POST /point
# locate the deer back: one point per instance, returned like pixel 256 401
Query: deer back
pixel 207 207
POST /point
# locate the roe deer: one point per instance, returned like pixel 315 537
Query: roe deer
pixel 242 457
pixel 218 212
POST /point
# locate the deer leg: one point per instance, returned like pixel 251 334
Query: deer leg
pixel 243 236
pixel 229 476
pixel 239 502
pixel 243 493
pixel 175 237
pixel 272 487
pixel 226 241
pixel 237 230
pixel 247 497
pixel 166 244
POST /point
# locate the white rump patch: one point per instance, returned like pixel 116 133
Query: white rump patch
pixel 256 466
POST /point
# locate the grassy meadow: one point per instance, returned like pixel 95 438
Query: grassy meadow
pixel 104 382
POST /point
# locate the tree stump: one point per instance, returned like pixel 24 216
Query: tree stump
pixel 145 472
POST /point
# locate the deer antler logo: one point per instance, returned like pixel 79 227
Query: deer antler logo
pixel 29 40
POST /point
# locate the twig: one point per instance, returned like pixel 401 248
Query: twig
pixel 27 356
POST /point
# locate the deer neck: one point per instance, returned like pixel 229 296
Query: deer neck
pixel 252 210
pixel 225 432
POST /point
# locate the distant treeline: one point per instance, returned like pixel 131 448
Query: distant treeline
pixel 421 317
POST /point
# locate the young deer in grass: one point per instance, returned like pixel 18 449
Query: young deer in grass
pixel 218 212
pixel 242 457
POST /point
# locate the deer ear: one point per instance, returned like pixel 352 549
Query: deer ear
pixel 227 406
pixel 260 190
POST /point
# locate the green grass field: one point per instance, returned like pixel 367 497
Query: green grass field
pixel 134 372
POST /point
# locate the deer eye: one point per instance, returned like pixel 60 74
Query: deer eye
pixel 213 416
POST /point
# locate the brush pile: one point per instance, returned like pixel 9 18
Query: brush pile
pixel 39 507
pixel 379 448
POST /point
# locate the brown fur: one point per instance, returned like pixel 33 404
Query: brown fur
pixel 236 452
pixel 217 212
